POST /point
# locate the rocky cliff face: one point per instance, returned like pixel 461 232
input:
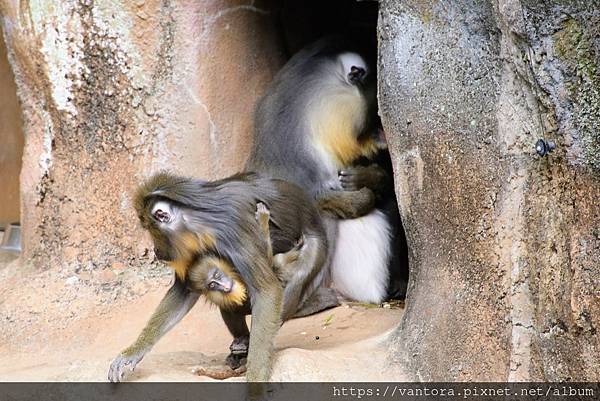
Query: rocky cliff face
pixel 11 143
pixel 112 92
pixel 504 243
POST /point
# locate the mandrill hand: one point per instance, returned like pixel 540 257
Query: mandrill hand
pixel 354 178
pixel 122 365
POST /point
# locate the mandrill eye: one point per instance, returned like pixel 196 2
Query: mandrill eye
pixel 212 285
pixel 162 216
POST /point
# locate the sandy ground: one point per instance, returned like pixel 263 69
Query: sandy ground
pixel 54 327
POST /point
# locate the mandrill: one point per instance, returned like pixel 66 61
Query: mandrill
pixel 219 237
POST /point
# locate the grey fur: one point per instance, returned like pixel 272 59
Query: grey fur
pixel 284 143
pixel 226 209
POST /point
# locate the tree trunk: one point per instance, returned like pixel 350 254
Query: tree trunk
pixel 504 243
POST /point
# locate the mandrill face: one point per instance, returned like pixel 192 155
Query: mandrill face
pixel 160 219
pixel 174 242
pixel 225 290
pixel 215 278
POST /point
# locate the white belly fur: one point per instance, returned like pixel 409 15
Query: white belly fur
pixel 359 270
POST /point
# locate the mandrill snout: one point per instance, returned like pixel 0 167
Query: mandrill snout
pixel 162 255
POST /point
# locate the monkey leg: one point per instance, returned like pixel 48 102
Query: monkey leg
pixel 346 204
pixel 174 306
pixel 236 324
pixel 372 176
pixel 323 298
pixel 262 217
pixel 280 260
pixel 300 273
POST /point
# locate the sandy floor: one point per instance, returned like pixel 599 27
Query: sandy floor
pixel 54 329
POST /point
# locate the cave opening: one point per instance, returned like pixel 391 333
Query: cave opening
pixel 302 22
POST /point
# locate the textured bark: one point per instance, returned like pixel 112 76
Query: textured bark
pixel 112 91
pixel 505 280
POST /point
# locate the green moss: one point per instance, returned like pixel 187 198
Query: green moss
pixel 577 53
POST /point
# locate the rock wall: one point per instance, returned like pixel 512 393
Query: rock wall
pixel 112 91
pixel 11 143
pixel 504 243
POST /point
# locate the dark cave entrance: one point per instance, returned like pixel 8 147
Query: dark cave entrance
pixel 303 22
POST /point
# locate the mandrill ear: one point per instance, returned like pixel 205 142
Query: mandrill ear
pixel 356 74
pixel 162 212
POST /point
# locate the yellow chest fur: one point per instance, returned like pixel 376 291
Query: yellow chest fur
pixel 337 122
pixel 188 246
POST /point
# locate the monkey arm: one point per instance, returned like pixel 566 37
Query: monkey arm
pixel 346 204
pixel 300 272
pixel 174 306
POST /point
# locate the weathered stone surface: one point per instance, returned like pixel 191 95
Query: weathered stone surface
pixel 11 143
pixel 505 283
pixel 505 244
pixel 114 91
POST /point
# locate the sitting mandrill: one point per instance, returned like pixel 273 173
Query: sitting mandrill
pixel 316 121
pixel 209 234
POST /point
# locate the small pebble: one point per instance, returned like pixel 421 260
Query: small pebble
pixel 72 280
